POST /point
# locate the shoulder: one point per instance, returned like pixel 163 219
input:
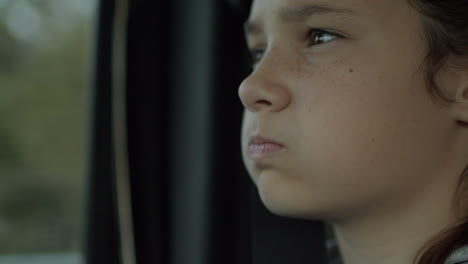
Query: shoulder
pixel 459 256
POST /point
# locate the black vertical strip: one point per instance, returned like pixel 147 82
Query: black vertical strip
pixel 192 128
pixel 102 239
pixel 148 109
pixel 230 232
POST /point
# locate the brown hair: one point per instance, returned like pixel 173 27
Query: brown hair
pixel 438 249
pixel 446 30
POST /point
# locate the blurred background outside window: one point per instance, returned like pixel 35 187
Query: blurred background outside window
pixel 44 71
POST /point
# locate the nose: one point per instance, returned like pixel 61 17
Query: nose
pixel 263 90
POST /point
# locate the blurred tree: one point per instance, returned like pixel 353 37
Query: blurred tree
pixel 41 135
pixel 8 51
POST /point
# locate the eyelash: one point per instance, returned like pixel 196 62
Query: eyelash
pixel 257 54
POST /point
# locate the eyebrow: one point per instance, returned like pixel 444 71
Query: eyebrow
pixel 297 14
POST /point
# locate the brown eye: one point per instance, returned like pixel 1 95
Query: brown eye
pixel 319 36
pixel 255 56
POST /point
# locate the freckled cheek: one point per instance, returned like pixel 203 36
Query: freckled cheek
pixel 339 109
pixel 333 88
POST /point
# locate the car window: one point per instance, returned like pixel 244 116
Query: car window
pixel 44 59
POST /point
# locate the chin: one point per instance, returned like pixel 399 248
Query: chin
pixel 285 200
pixel 292 210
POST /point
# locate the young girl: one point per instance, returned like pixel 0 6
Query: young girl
pixel 356 113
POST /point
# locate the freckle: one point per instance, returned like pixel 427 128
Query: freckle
pixel 351 70
pixel 373 139
pixel 310 110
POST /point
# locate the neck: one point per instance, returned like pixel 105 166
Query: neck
pixel 394 234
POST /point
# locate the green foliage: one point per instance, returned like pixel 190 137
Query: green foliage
pixel 41 142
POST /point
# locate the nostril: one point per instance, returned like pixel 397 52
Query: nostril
pixel 265 102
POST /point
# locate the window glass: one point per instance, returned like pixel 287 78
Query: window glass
pixel 44 66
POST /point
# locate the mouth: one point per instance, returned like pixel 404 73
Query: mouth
pixel 260 148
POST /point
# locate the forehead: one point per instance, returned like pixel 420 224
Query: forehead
pixel 266 11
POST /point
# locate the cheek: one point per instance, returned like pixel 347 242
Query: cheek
pixel 344 120
pixel 364 128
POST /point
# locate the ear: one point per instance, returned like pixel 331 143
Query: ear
pixel 461 100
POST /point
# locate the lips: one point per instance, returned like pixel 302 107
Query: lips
pixel 260 147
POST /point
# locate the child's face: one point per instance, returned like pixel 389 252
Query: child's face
pixel 352 110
